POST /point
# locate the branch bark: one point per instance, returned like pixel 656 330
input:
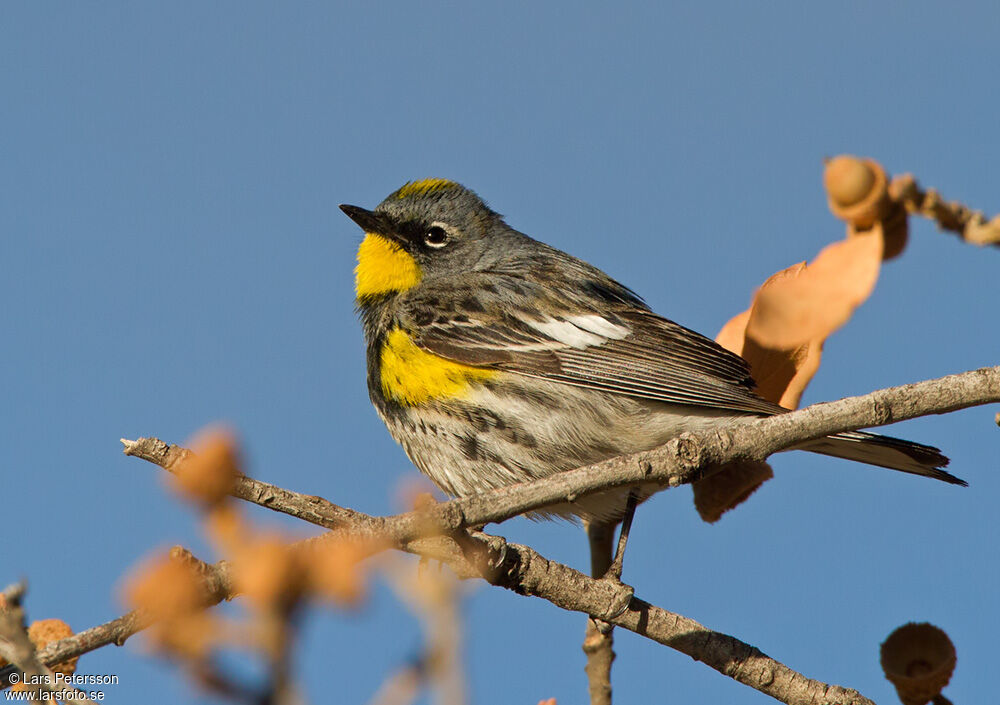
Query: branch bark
pixel 689 457
pixel 526 572
pixel 429 532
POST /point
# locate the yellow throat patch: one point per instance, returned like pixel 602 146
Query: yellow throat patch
pixel 383 268
pixel 411 376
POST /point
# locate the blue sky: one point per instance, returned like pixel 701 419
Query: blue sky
pixel 172 255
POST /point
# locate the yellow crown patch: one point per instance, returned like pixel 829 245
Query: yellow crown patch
pixel 424 187
pixel 411 376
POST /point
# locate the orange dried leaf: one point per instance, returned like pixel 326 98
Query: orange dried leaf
pixel 807 364
pixel 191 636
pixel 166 588
pixel 781 374
pixel 732 334
pixel 423 500
pixel 268 571
pixel 208 475
pixel 225 528
pixel 781 337
pixel 409 491
pixel 335 572
pixel 172 592
pixel 793 310
pixel 728 488
pixel 893 228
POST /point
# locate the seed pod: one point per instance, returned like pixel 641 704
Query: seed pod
pixel 918 659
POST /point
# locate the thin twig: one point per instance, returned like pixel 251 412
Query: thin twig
pixel 217 583
pixel 971 225
pixel 114 632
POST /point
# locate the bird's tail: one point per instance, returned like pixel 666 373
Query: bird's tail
pixel 886 452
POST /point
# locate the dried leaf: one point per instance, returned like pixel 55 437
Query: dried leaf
pixel 731 486
pixel 433 595
pixel 171 591
pixel 781 374
pixel 807 362
pixel 732 334
pixel 781 337
pixel 226 529
pixel 334 570
pixel 166 588
pixel 268 571
pixel 810 304
pixel 208 475
pixel 893 228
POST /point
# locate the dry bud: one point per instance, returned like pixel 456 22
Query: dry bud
pixel 857 190
pixel 44 632
pixel 918 659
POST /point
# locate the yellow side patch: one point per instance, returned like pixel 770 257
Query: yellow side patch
pixel 411 376
pixel 383 268
pixel 424 186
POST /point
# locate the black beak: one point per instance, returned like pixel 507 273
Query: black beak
pixel 369 221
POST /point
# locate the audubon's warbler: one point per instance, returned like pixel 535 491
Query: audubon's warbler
pixel 496 359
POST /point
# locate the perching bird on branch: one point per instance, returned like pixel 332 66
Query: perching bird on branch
pixel 496 359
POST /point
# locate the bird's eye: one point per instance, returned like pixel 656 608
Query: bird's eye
pixel 436 237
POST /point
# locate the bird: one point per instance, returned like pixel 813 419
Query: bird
pixel 494 359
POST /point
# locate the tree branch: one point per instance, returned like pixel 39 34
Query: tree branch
pixel 683 460
pixel 523 570
pixel 526 572
pixel 216 580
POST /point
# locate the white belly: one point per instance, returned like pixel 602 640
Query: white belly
pixel 493 439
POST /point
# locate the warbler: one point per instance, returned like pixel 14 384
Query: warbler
pixel 495 359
